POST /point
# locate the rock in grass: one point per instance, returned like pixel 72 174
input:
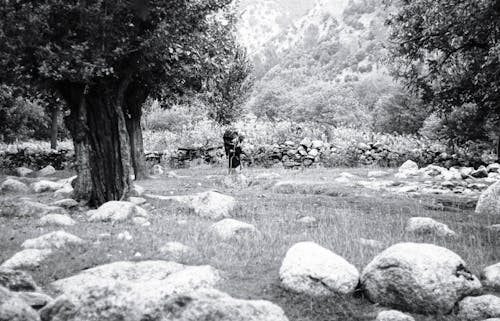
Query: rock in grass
pixel 11 185
pixel 57 220
pixel 393 315
pixel 36 209
pixel 489 201
pixel 409 168
pixel 22 171
pixel 474 308
pixel 371 243
pixel 228 229
pixel 491 276
pixel 65 192
pixel 46 171
pixel 66 203
pixel 142 221
pixel 308 221
pixel 417 277
pixel 377 174
pixel 16 280
pixel 428 226
pixel 177 250
pixel 115 211
pixel 311 269
pixel 46 186
pixel 137 200
pixel 26 259
pixel 12 308
pixel 53 240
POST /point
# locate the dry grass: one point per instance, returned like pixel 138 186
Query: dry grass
pixel 251 265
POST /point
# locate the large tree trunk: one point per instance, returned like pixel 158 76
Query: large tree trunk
pixel 109 143
pixel 134 98
pixel 53 127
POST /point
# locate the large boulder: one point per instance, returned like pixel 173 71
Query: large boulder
pixel 16 280
pixel 46 171
pixel 311 269
pixel 489 201
pixel 53 240
pixel 229 228
pixel 409 168
pixel 26 259
pixel 12 308
pixel 115 211
pixel 476 308
pixel 428 226
pixel 11 185
pixel 422 278
pixel 209 204
pixel 491 276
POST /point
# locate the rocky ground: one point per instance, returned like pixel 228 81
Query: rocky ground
pixel 343 244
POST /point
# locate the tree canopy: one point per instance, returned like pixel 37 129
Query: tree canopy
pixel 449 52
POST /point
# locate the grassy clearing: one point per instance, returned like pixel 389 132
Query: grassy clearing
pixel 251 266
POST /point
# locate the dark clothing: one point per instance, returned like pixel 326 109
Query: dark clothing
pixel 232 148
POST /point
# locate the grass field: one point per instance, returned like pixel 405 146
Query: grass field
pixel 250 266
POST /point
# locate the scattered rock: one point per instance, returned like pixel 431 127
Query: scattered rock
pixel 22 171
pixel 493 168
pixel 466 172
pixel 308 221
pixel 12 308
pixel 57 220
pixel 481 172
pixel 377 174
pixel 157 170
pixel 177 250
pixel 209 204
pixel 428 226
pixel 489 201
pixel 137 200
pixel 66 203
pixel 142 221
pixel 228 229
pixel 52 240
pixel 16 280
pixel 393 315
pixel 311 269
pixel 137 191
pixel 26 259
pixel 46 171
pixel 371 243
pixel 407 189
pixel 65 192
pixel 417 277
pixel 11 185
pixel 46 186
pixel 36 300
pixel 475 308
pixel 124 236
pixel 491 276
pixel 116 211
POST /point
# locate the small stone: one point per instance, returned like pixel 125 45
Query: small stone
pixel 22 171
pixel 475 308
pixel 64 193
pixel 157 170
pixel 308 221
pixel 141 221
pixel 393 315
pixel 137 191
pixel 491 276
pixel 26 259
pixel 228 229
pixel 46 186
pixel 116 211
pixel 66 203
pixel 316 144
pixel 377 174
pixel 493 168
pixel 481 172
pixel 53 240
pixel 466 171
pixel 16 280
pixel 57 220
pixel 306 142
pixel 46 171
pixel 12 308
pixel 177 250
pixel 137 200
pixel 124 236
pixel 427 225
pixel 371 243
pixel 11 185
pixel 35 300
pixel 407 189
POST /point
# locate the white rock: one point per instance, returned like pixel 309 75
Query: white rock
pixel 16 280
pixel 141 221
pixel 46 171
pixel 491 276
pixel 27 259
pixel 137 190
pixel 377 174
pixel 157 170
pixel 466 171
pixel 23 171
pixel 308 221
pixel 427 225
pixel 371 243
pixel 493 168
pixel 65 192
pixel 311 269
pixel 57 219
pixel 115 211
pixel 177 250
pixel 316 144
pixel 342 180
pixel 124 236
pixel 35 299
pixel 407 189
pixel 418 277
pixel 209 204
pixel 11 185
pixel 313 153
pixel 409 168
pixel 46 186
pixel 393 315
pixel 137 200
pixel 228 229
pixel 30 208
pixel 489 201
pixel 13 308
pixel 66 203
pixel 474 308
pixel 52 240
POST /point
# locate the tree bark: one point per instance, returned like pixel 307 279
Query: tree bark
pixel 110 157
pixel 134 98
pixel 53 127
